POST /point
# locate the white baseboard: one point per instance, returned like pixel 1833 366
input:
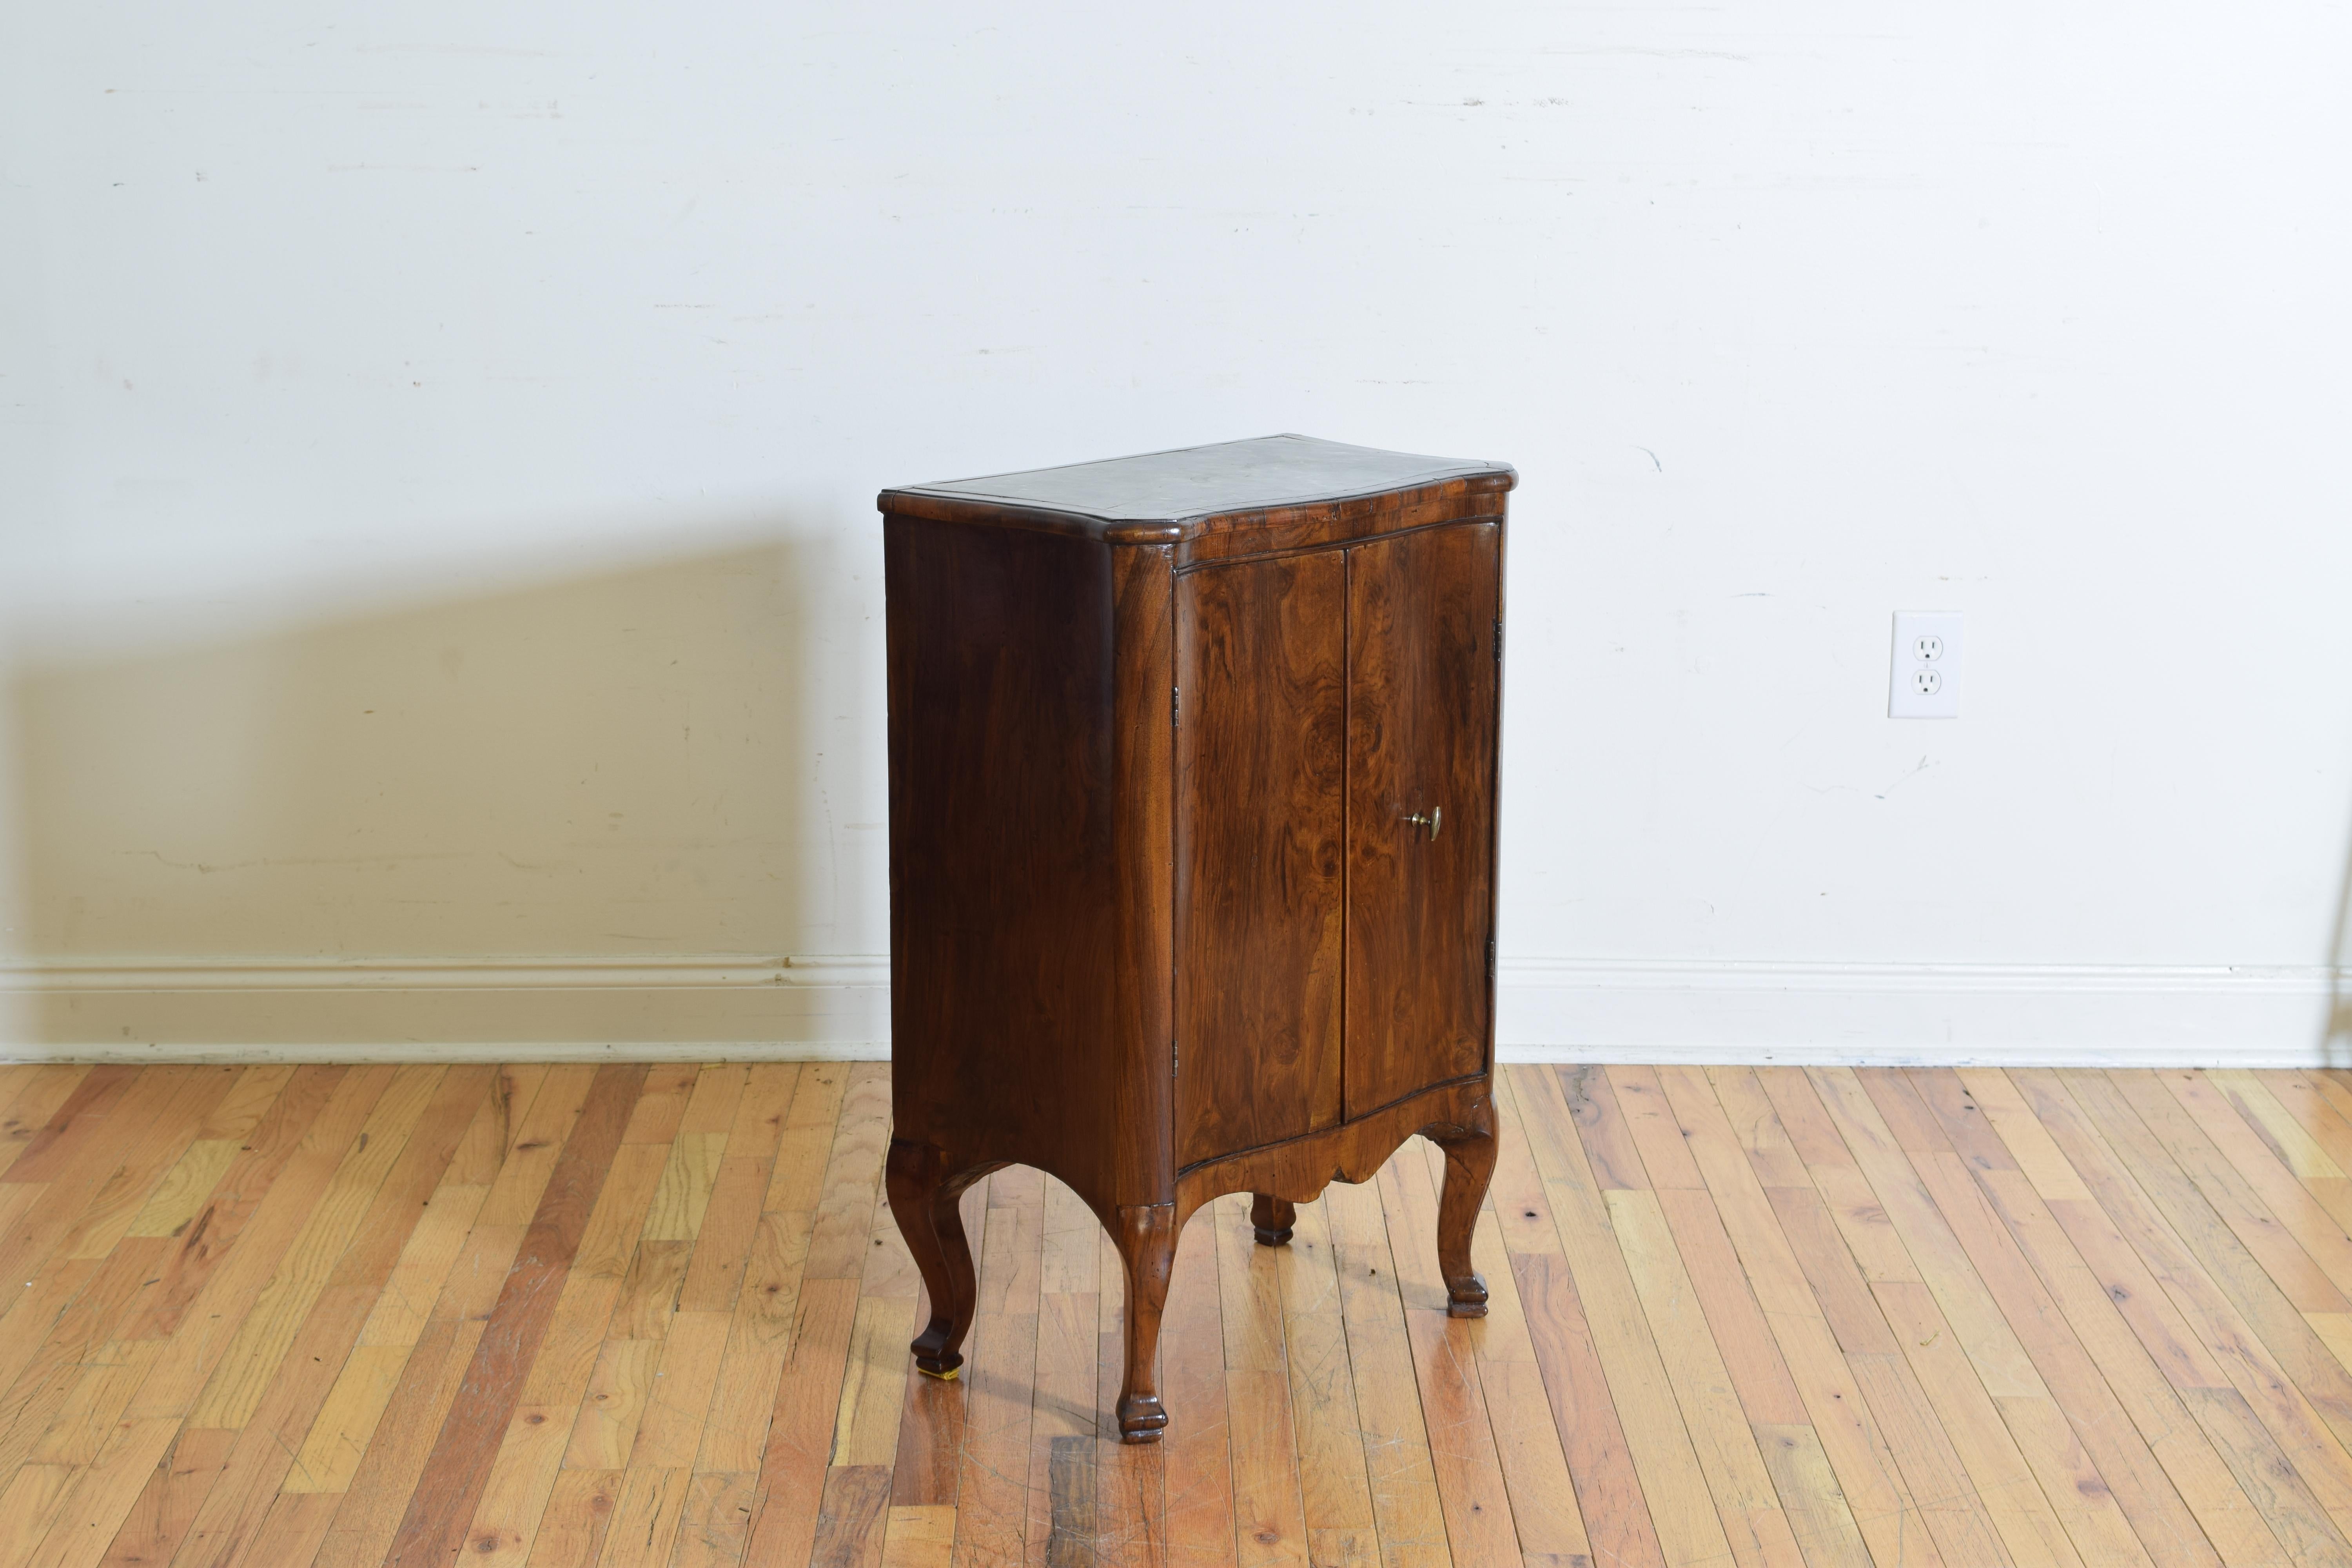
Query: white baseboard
pixel 503 1051
pixel 1893 1015
pixel 739 1007
pixel 678 973
pixel 727 1004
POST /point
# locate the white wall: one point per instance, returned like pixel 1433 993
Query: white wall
pixel 525 374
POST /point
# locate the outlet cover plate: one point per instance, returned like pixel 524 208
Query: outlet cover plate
pixel 1925 678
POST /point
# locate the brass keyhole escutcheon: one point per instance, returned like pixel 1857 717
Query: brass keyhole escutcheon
pixel 1433 820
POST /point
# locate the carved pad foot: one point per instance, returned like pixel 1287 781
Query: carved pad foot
pixel 933 1361
pixel 1465 1297
pixel 1141 1418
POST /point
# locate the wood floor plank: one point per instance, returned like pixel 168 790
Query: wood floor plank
pixel 2304 1096
pixel 376 1501
pixel 2119 1452
pixel 1060 1477
pixel 272 1146
pixel 1951 1306
pixel 660 1107
pixel 579 1516
pixel 1744 1495
pixel 103 1493
pixel 715 1523
pixel 758 1341
pixel 1980 1499
pixel 796 1184
pixel 1196 1466
pixel 1528 1444
pixel 647 1514
pixel 920 1535
pixel 99 1296
pixel 1736 1140
pixel 140 1160
pixel 2284 1259
pixel 1673 1481
pixel 1655 1127
pixel 1479 1527
pixel 843 1231
pixel 2258 1098
pixel 79 1123
pixel 2291 1198
pixel 1537 1489
pixel 2170 1423
pixel 853 1518
pixel 37 1101
pixel 585 1396
pixel 873 1387
pixel 441 1508
pixel 1336 1499
pixel 159 1517
pixel 362 1315
pixel 1608 1496
pixel 93 1144
pixel 799 1443
pixel 2173 1303
pixel 1130 1479
pixel 278 1313
pixel 235 1522
pixel 1269 1514
pixel 2171 1221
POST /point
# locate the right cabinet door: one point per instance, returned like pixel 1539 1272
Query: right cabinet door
pixel 1421 722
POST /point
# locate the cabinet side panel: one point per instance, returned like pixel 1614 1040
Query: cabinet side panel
pixel 1421 732
pixel 1002 876
pixel 1260 753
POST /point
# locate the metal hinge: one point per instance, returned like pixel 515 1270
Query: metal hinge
pixel 1498 642
pixel 1175 705
pixel 1490 958
pixel 1172 1057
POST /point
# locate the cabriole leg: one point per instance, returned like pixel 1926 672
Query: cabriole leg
pixel 1146 1235
pixel 1271 1217
pixel 923 1197
pixel 1469 1165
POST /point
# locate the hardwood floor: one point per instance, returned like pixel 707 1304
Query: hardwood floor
pixel 561 1316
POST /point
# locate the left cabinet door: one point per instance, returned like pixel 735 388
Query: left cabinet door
pixel 1261 798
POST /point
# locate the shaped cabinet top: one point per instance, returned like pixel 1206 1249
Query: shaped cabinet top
pixel 1182 494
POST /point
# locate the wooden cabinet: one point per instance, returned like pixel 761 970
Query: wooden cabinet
pixel 1192 774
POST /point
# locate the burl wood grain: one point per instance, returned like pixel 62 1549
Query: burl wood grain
pixel 1421 724
pixel 1261 759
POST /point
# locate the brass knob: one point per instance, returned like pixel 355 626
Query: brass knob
pixel 1433 821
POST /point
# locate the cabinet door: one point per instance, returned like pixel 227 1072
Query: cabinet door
pixel 1421 691
pixel 1261 746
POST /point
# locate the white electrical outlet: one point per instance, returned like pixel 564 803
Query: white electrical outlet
pixel 1926 679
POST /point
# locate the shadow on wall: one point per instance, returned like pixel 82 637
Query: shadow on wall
pixel 655 762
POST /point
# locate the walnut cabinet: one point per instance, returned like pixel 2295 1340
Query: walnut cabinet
pixel 1193 825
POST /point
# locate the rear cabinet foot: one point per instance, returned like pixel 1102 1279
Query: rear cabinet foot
pixel 1271 1219
pixel 923 1199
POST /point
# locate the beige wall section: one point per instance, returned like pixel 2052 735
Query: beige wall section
pixel 660 760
